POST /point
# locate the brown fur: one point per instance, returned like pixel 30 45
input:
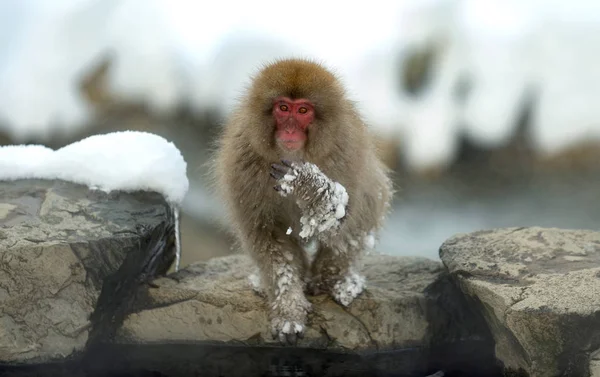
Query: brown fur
pixel 338 143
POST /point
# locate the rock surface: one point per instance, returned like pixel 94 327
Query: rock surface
pixel 78 284
pixel 539 290
pixel 213 301
pixel 59 245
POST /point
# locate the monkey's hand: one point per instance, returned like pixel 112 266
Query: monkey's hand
pixel 322 201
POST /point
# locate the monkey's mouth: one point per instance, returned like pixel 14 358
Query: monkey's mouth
pixel 291 141
pixel 292 145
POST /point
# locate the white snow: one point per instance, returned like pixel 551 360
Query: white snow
pixel 165 52
pixel 146 66
pixel 320 215
pixel 339 200
pixel 53 45
pixel 289 301
pixel 286 183
pixel 177 238
pixel 347 289
pixel 288 231
pixel 321 219
pixel 120 161
pixel 508 48
pixel 255 283
pixel 369 240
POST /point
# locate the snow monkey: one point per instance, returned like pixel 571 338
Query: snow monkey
pixel 295 164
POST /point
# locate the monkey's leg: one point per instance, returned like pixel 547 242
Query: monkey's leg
pixel 282 268
pixel 334 271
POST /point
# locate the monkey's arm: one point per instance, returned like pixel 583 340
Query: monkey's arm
pixel 323 201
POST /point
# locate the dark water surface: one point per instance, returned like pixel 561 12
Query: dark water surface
pixel 464 359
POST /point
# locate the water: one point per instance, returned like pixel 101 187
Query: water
pixel 464 359
pixel 425 215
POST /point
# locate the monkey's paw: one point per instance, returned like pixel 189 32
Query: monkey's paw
pixel 255 283
pixel 284 174
pixel 348 288
pixel 323 202
pixel 289 318
pixel 287 331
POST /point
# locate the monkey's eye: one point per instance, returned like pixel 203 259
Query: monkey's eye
pixel 302 110
pixel 283 108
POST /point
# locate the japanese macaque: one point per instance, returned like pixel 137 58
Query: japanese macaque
pixel 296 164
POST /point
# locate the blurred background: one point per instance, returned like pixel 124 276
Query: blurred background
pixel 487 111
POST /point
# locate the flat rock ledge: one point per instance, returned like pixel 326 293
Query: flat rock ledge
pixel 79 268
pixel 70 259
pixel 214 301
pixel 539 291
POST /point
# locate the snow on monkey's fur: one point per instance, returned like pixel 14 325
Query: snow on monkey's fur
pixel 319 219
pixel 324 217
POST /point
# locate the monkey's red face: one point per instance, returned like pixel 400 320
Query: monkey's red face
pixel 292 118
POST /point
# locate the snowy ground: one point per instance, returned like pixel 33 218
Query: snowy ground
pixel 169 51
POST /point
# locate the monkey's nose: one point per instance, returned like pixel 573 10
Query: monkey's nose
pixel 291 126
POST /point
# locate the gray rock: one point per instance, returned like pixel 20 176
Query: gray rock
pixel 539 290
pixel 595 363
pixel 214 301
pixel 60 243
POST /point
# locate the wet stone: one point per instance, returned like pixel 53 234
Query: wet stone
pixel 539 290
pixel 59 244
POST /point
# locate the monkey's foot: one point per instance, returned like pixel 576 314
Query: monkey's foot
pixel 345 290
pixel 287 331
pixel 289 318
pixel 255 283
pixel 315 288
